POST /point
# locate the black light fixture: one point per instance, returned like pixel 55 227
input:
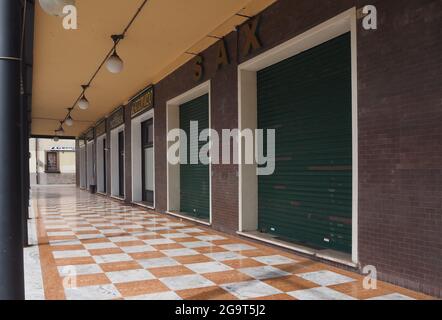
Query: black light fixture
pixel 112 61
pixel 83 103
pixel 69 121
pixel 60 130
pixel 114 64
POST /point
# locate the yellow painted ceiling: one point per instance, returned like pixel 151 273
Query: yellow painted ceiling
pixel 153 48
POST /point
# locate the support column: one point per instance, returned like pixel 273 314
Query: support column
pixel 11 222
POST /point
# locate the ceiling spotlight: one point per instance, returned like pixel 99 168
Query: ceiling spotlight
pixel 69 121
pixel 55 7
pixel 83 103
pixel 114 63
pixel 56 139
pixel 60 130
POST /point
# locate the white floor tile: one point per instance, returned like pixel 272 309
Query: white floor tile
pixel 321 293
pixel 274 260
pixel 70 254
pixel 180 252
pixel 108 258
pixel 208 267
pixel 123 239
pixel 101 245
pixel 197 244
pixel 60 234
pixel 157 262
pixel 169 295
pixel 105 292
pixel 138 249
pixel 225 256
pixel 158 241
pixel 187 282
pixel 81 269
pixel 190 230
pixel 90 236
pixel 250 289
pixel 265 272
pixel 238 247
pixel 393 296
pixel 210 238
pixel 325 278
pixel 175 235
pixel 129 276
pixel 65 243
pixel 33 276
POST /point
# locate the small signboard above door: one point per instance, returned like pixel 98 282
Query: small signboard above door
pixel 116 119
pixel 90 134
pixel 62 149
pixel 100 129
pixel 142 102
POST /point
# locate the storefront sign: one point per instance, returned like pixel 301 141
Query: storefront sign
pixel 62 149
pixel 117 118
pixel 251 42
pixel 250 30
pixel 142 102
pixel 100 129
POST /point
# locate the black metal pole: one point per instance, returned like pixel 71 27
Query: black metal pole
pixel 27 46
pixel 11 222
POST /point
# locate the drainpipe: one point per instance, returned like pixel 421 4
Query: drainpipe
pixel 11 221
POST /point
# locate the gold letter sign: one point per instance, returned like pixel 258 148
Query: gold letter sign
pixel 198 68
pixel 223 58
pixel 251 40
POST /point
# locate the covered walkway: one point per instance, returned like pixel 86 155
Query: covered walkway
pixel 92 247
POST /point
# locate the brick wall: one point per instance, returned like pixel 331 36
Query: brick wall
pixel 224 106
pixel 400 144
pixel 400 136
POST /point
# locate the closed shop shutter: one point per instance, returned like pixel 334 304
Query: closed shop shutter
pixel 194 178
pixel 308 100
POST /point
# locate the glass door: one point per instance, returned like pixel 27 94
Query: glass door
pixel 104 166
pixel 147 162
pixel 121 163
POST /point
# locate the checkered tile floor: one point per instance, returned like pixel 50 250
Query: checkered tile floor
pixel 94 248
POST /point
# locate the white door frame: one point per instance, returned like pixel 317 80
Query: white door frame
pixel 173 171
pixel 100 164
pixel 247 105
pixel 115 170
pixel 137 157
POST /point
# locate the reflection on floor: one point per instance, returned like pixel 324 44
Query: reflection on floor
pixel 91 247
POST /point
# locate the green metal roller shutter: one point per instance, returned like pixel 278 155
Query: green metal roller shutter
pixel 307 99
pixel 194 179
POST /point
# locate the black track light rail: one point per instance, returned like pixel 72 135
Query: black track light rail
pixel 116 38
